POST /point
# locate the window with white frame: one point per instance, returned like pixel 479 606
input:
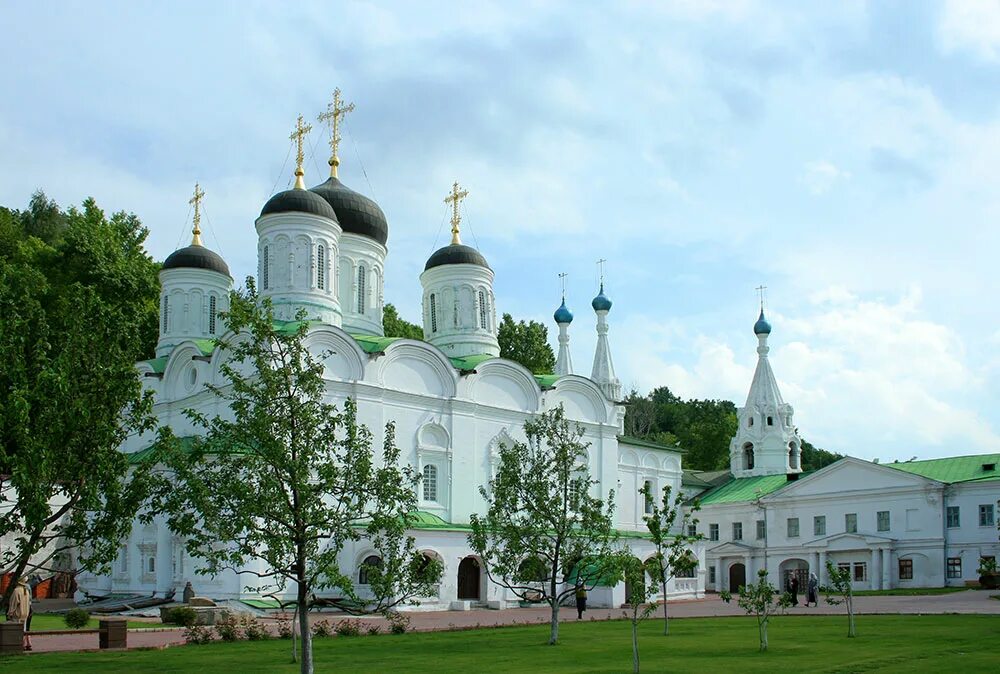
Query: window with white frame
pixel 371 563
pixel 361 290
pixel 321 267
pixel 434 313
pixel 986 515
pixel 430 482
pixel 819 525
pixel 761 530
pixel 265 268
pixel 711 574
pixel 860 572
pixel 954 567
pixel 851 523
pixel 882 520
pixel 737 531
pixel 793 527
pixel 692 530
pixel 713 532
pixel 647 497
pixel 166 313
pixel 954 520
pixel 482 310
pixel 906 569
pixel 212 311
pixel 151 565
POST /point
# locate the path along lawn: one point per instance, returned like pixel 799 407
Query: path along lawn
pixel 52 621
pixel 948 643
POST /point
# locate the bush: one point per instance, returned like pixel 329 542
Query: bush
pixel 253 629
pixel 374 629
pixel 228 627
pixel 76 618
pixel 285 629
pixel 398 623
pixel 322 628
pixel 348 628
pixel 185 616
pixel 198 634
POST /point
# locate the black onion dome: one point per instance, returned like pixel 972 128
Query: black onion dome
pixel 196 257
pixel 298 201
pixel 356 213
pixel 456 253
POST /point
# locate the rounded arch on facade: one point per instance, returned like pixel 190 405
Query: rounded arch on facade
pixel 417 367
pixel 629 459
pixel 747 452
pixel 433 434
pixel 471 578
pixel 797 568
pixel 369 557
pixel 794 455
pixel 504 383
pixel 582 399
pixel 184 376
pixel 670 464
pixel 341 355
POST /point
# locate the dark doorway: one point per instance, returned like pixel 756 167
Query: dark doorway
pixel 801 574
pixel 468 578
pixel 737 577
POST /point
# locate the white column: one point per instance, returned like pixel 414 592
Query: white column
pixel 886 569
pixel 814 563
pixel 873 573
pixel 821 574
pixel 720 584
pixel 748 567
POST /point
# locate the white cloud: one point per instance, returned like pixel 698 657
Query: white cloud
pixel 971 25
pixel 820 176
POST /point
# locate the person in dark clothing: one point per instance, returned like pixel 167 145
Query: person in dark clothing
pixel 794 585
pixel 812 590
pixel 581 601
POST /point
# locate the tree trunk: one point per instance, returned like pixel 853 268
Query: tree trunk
pixel 850 617
pixel 307 655
pixel 635 644
pixel 295 618
pixel 763 635
pixel 666 625
pixel 554 636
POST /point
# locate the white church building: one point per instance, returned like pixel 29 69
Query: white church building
pixel 453 399
pixel 896 525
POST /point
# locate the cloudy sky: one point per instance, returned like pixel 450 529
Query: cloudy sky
pixel 845 154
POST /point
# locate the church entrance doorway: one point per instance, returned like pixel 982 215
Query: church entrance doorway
pixel 468 579
pixel 737 577
pixel 794 568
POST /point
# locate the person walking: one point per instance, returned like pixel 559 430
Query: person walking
pixel 19 608
pixel 795 590
pixel 581 601
pixel 812 590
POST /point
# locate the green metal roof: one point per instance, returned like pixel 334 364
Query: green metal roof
pixel 186 442
pixel 469 363
pixel 954 469
pixel 374 343
pixel 423 520
pixel 158 364
pixel 742 489
pixel 647 444
pixel 547 380
pixel 689 478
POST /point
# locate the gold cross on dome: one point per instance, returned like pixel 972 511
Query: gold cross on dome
pixel 455 198
pixel 299 135
pixel 334 113
pixel 760 289
pixel 562 278
pixel 196 202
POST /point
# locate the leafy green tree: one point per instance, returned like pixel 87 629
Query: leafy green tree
pixel 73 316
pixel 394 326
pixel 761 600
pixel 672 548
pixel 814 458
pixel 289 480
pixel 839 591
pixel 527 344
pixel 44 219
pixel 642 586
pixel 540 506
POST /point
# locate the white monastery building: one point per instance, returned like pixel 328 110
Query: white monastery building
pixel 455 402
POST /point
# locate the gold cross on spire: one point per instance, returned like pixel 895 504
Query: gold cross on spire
pixel 455 198
pixel 299 135
pixel 760 289
pixel 196 202
pixel 334 112
pixel 562 279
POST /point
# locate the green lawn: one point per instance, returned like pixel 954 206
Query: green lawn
pixel 911 591
pixel 52 621
pixel 798 643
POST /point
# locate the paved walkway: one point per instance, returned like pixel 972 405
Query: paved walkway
pixel 972 601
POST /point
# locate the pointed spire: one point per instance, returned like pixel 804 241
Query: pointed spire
pixel 196 202
pixel 299 135
pixel 603 373
pixel 563 317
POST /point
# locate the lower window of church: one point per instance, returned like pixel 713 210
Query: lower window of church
pixel 713 532
pixel 851 523
pixel 371 562
pixel 711 575
pixel 906 569
pixel 954 567
pixel 819 525
pixel 430 482
pixel 860 572
pixel 737 531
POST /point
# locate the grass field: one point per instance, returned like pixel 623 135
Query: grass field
pixel 51 621
pixel 798 643
pixel 911 591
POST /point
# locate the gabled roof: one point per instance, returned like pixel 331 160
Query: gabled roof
pixel 647 444
pixel 953 469
pixel 742 489
pixel 691 479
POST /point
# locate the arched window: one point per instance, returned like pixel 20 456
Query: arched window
pixel 482 310
pixel 748 456
pixel 321 267
pixel 371 562
pixel 793 456
pixel 434 314
pixel 151 565
pixel 647 497
pixel 361 290
pixel 430 482
pixel 265 264
pixel 770 421
pixel 211 314
pixel 166 313
pixel 750 422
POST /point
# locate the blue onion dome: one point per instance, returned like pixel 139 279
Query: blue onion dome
pixel 356 213
pixel 455 253
pixel 196 257
pixel 562 314
pixel 298 201
pixel 762 327
pixel 601 302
